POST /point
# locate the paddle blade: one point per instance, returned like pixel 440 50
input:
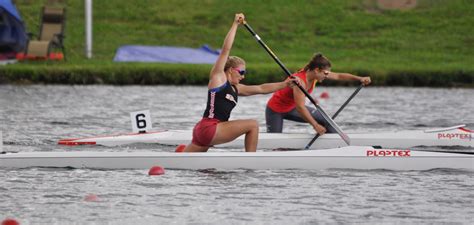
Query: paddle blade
pixel 345 138
pixel 333 124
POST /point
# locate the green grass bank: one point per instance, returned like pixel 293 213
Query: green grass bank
pixel 428 45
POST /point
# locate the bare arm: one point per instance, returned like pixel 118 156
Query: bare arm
pixel 217 76
pixel 303 111
pixel 349 77
pixel 246 90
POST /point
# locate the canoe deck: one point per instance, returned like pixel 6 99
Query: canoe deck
pixel 452 136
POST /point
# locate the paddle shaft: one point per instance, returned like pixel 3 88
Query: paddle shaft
pixel 347 101
pixel 335 114
pixel 277 60
pixel 321 110
pixel 288 73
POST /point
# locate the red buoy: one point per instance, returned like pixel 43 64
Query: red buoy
pixel 10 222
pixel 324 95
pixel 91 198
pixel 180 148
pixel 156 170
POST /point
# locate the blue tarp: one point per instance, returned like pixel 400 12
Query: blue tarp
pixel 167 54
pixel 13 35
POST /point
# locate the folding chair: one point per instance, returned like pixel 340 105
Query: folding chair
pixel 50 38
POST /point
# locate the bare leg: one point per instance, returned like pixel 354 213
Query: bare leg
pixel 230 130
pixel 195 148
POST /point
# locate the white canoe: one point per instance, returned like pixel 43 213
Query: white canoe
pixel 352 157
pixel 450 136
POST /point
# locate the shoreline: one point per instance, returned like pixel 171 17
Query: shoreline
pixel 190 74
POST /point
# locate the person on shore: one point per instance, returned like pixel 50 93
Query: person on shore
pixel 289 103
pixel 223 90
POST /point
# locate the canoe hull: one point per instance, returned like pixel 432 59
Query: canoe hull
pixel 343 158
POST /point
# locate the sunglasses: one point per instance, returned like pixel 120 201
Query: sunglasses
pixel 326 73
pixel 241 72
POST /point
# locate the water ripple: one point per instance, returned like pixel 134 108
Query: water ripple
pixel 34 118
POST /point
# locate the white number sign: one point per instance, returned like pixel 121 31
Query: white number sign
pixel 141 121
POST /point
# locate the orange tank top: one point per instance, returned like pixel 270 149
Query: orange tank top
pixel 282 101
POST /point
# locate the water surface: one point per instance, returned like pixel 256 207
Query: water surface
pixel 34 118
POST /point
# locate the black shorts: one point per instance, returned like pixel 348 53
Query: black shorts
pixel 275 120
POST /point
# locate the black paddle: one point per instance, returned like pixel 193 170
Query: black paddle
pixel 335 114
pixel 288 73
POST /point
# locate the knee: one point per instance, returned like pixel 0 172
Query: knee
pixel 253 124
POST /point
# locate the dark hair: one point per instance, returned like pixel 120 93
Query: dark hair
pixel 318 61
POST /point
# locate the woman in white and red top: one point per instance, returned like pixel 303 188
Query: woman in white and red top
pixel 289 103
pixel 224 88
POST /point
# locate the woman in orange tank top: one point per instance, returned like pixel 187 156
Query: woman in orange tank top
pixel 289 103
